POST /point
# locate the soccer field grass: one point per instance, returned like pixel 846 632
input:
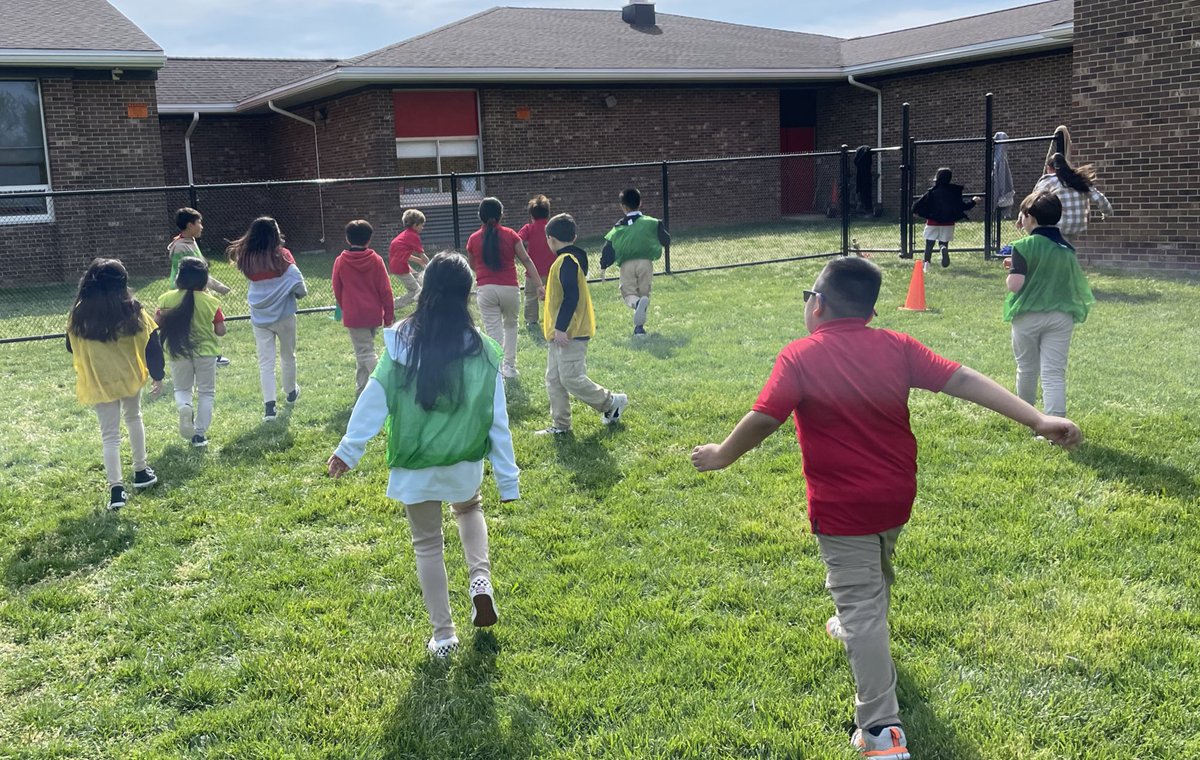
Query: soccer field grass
pixel 1046 603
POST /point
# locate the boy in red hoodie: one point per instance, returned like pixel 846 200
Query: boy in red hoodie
pixel 364 294
pixel 534 237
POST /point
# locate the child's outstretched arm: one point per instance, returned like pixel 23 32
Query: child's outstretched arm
pixel 972 386
pixel 752 430
pixel 370 412
pixel 217 286
pixel 502 457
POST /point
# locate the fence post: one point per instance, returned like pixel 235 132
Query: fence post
pixel 192 201
pixel 845 192
pixel 912 189
pixel 666 212
pixel 905 168
pixel 989 197
pixel 454 210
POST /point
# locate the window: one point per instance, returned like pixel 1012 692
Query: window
pixel 437 132
pixel 23 165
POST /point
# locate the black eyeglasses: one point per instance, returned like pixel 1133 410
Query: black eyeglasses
pixel 809 294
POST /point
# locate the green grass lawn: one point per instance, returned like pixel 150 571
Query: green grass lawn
pixel 1047 603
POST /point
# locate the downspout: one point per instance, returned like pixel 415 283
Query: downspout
pixel 316 152
pixel 187 144
pixel 878 133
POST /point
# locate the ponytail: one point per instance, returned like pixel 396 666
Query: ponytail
pixel 1079 180
pixel 175 325
pixel 490 212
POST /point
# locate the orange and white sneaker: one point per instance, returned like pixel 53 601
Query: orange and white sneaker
pixel 890 743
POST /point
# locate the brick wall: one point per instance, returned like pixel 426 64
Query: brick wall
pixel 93 143
pixel 1135 92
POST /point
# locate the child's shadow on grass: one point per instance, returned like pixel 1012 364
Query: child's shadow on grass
pixel 520 407
pixel 590 464
pixel 250 446
pixel 337 422
pixel 74 544
pixel 658 345
pixel 450 710
pixel 928 735
pixel 1115 296
pixel 1150 476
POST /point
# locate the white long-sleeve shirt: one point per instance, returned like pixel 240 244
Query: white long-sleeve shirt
pixel 451 483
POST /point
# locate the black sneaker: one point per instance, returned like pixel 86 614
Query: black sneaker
pixel 222 361
pixel 269 411
pixel 199 441
pixel 116 498
pixel 295 394
pixel 945 257
pixel 144 478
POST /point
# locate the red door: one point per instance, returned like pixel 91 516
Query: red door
pixel 796 176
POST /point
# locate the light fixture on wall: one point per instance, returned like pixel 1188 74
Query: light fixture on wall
pixel 116 74
pixel 610 101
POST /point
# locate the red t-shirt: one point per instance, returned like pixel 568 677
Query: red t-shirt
pixel 268 275
pixel 403 246
pixel 847 385
pixel 507 273
pixel 534 236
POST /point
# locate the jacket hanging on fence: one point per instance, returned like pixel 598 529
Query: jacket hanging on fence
pixel 943 204
pixel 864 183
pixel 1059 143
pixel 1002 182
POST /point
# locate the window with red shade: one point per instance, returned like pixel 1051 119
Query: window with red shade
pixel 437 132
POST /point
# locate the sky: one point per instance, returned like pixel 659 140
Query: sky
pixel 346 28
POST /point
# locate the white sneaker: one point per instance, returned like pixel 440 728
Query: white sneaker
pixel 615 409
pixel 553 431
pixel 639 311
pixel 891 744
pixel 833 626
pixel 508 371
pixel 187 425
pixel 483 603
pixel 442 648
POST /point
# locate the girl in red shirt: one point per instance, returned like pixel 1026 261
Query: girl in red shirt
pixel 493 251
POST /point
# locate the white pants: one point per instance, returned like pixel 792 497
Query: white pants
pixel 412 287
pixel 1041 340
pixel 199 372
pixel 498 306
pixel 264 341
pixel 109 413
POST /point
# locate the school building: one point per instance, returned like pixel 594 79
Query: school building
pixel 89 101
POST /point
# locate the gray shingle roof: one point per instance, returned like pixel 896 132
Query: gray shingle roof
pixel 974 30
pixel 549 38
pixel 228 80
pixel 69 25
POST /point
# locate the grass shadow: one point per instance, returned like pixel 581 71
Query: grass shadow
pixel 928 735
pixel 520 405
pixel 1114 296
pixel 267 436
pixel 450 710
pixel 337 421
pixel 658 345
pixel 588 460
pixel 75 544
pixel 179 463
pixel 1150 476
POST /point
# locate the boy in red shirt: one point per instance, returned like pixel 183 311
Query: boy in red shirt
pixel 406 247
pixel 847 385
pixel 534 237
pixel 364 294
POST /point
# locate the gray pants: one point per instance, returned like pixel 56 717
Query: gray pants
pixel 859 577
pixel 264 341
pixel 109 414
pixel 425 520
pixel 200 373
pixel 412 287
pixel 1041 340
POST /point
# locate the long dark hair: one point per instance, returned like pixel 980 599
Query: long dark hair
pixel 441 333
pixel 260 249
pixel 490 211
pixel 105 308
pixel 1080 180
pixel 175 325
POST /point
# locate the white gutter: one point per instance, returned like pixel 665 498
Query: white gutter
pixel 187 144
pixel 186 109
pixel 99 59
pixel 878 133
pixel 1029 43
pixel 316 151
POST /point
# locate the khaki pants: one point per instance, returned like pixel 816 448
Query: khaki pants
pixel 264 341
pixel 109 414
pixel 859 577
pixel 1041 340
pixel 199 373
pixel 498 306
pixel 636 276
pixel 533 306
pixel 365 358
pixel 412 286
pixel 566 376
pixel 425 520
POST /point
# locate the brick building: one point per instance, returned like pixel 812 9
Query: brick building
pixel 635 86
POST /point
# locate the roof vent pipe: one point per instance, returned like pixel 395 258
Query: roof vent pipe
pixel 638 14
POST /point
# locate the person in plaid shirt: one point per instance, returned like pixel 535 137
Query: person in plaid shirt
pixel 1075 189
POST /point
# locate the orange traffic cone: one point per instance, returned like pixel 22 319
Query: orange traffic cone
pixel 916 289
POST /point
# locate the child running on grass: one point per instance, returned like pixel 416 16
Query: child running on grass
pixel 190 321
pixel 634 244
pixel 404 249
pixel 275 284
pixel 364 296
pixel 191 227
pixel 533 235
pixel 568 324
pixel 847 386
pixel 943 206
pixel 114 343
pixel 441 397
